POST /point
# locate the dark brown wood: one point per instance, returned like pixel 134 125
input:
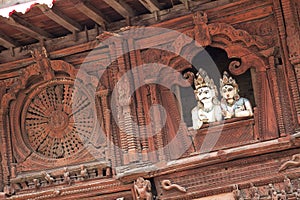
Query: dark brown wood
pixel 60 18
pixel 28 28
pixel 151 5
pixel 7 41
pixel 121 7
pixel 88 10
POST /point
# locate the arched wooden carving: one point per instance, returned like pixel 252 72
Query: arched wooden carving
pixel 38 115
pixel 251 52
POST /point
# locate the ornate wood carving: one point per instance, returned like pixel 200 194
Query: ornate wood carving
pixel 294 162
pixel 142 189
pixel 48 122
pixel 202 35
pixel 1 174
pixel 47 136
pixel 45 131
pixel 284 16
pixel 168 185
pixel 253 176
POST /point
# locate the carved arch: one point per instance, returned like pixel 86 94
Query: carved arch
pixel 30 84
pixel 238 44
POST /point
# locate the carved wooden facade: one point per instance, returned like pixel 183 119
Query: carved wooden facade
pixel 68 112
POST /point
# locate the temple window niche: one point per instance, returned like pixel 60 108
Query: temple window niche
pixel 214 61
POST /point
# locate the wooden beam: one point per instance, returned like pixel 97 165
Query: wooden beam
pixel 28 28
pixel 186 4
pixel 90 11
pixel 151 5
pixel 6 41
pixel 121 7
pixel 60 18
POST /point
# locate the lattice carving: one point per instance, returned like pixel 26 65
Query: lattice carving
pixel 48 120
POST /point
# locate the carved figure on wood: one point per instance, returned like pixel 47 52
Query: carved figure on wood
pixel 232 104
pixel 67 178
pixel 48 177
pixel 36 183
pixel 271 191
pixel 295 162
pixel 83 172
pixel 208 108
pixel 297 194
pixel 254 194
pixel 237 194
pixel 288 187
pixel 283 195
pixel 275 196
pixel 142 189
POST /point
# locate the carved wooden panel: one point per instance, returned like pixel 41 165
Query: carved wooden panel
pixel 213 179
pixel 227 196
pixel 48 121
pixel 234 132
pixel 265 28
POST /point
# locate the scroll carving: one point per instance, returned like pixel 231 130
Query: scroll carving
pixel 236 35
pixel 293 163
pixel 167 185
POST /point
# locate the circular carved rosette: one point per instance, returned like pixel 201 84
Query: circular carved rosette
pixel 48 119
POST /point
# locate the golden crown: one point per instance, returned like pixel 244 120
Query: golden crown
pixel 203 80
pixel 228 80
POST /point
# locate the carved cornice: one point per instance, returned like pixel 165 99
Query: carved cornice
pixel 293 163
pixel 85 188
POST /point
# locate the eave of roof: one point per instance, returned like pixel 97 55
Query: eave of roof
pixel 22 7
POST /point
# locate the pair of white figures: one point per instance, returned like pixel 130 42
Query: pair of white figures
pixel 209 109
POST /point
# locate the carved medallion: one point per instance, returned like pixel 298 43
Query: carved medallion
pixel 48 119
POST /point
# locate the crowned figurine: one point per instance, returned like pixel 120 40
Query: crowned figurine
pixel 208 108
pixel 231 103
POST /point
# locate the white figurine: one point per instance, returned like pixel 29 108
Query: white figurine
pixel 208 108
pixel 232 104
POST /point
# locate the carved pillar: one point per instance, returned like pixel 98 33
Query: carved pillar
pixel 290 42
pixel 5 146
pixel 272 76
pixel 106 124
pixel 157 120
pixel 1 174
pixel 177 133
pixel 135 60
pixel 111 77
pixel 127 132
